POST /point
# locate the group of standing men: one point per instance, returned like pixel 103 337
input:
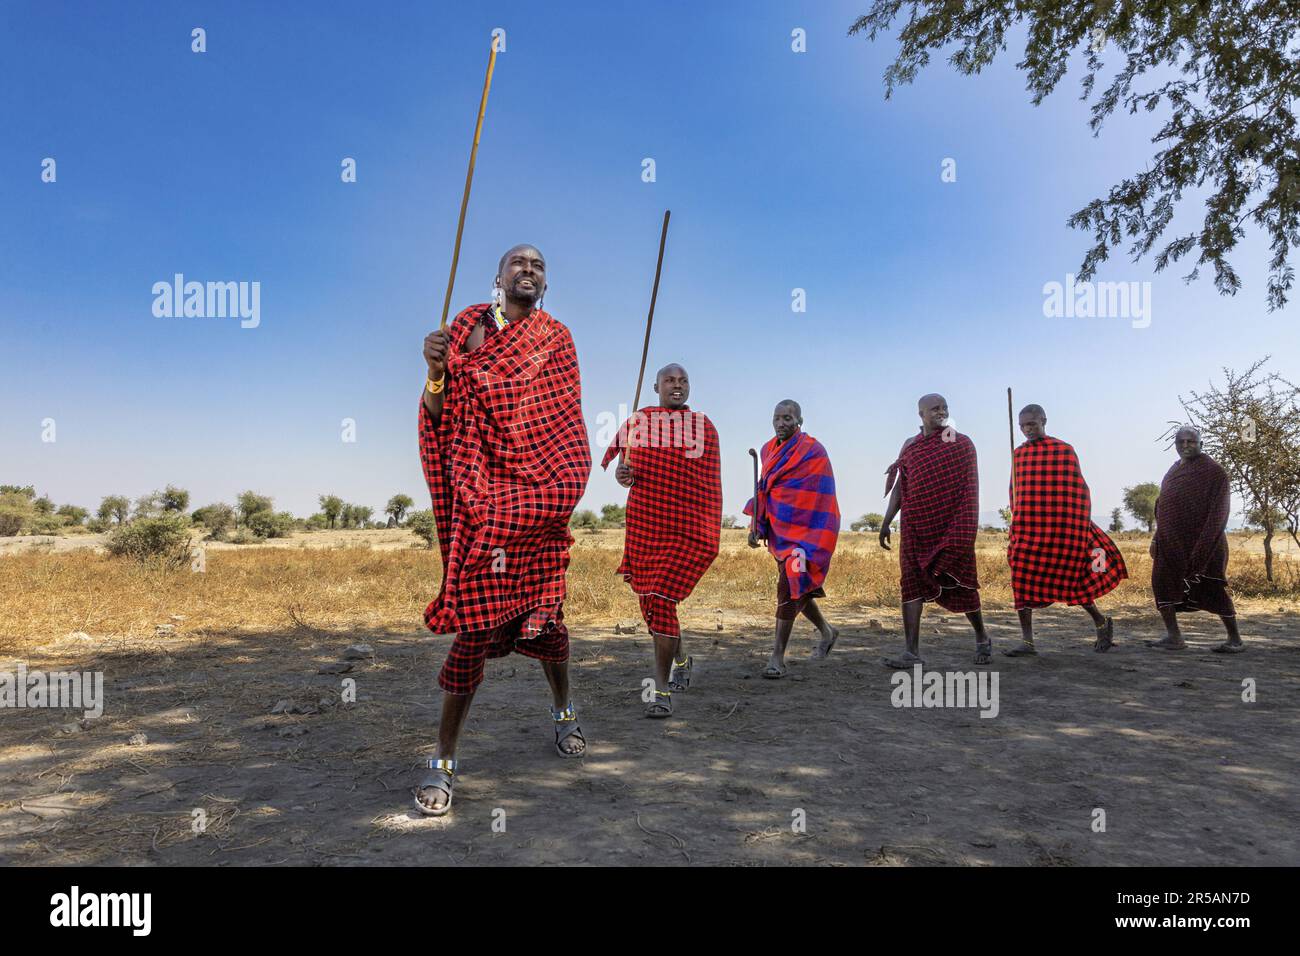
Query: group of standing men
pixel 506 458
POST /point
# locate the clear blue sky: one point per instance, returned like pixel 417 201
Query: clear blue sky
pixel 782 170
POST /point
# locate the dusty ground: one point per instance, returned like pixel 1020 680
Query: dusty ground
pixel 1186 772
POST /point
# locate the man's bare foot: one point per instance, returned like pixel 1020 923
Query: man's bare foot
pixel 1023 649
pixel 1105 637
pixel 904 662
pixel 983 653
pixel 775 668
pixel 1229 647
pixel 824 646
pixel 1168 643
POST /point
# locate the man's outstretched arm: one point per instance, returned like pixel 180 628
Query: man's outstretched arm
pixel 435 357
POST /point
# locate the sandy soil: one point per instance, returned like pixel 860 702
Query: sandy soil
pixel 1186 772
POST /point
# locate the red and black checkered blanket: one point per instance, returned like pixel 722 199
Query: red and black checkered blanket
pixel 939 502
pixel 1191 561
pixel 505 466
pixel 1056 552
pixel 674 507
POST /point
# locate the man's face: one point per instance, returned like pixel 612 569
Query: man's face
pixel 934 411
pixel 1188 443
pixel 523 276
pixel 1033 425
pixel 785 421
pixel 673 387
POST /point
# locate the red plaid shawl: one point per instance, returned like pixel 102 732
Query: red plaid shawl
pixel 1191 562
pixel 939 515
pixel 796 511
pixel 674 507
pixel 505 468
pixel 1055 551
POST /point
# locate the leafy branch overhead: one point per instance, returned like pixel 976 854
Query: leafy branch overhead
pixel 1224 73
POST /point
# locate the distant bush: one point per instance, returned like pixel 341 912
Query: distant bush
pixel 47 524
pixel 218 518
pixel 244 536
pixel 16 513
pixel 163 539
pixel 270 524
pixel 421 522
pixel 317 522
pixel 586 518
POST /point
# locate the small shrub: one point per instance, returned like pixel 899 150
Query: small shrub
pixel 164 539
pixel 421 522
pixel 270 524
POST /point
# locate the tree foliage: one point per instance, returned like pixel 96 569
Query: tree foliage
pixel 1224 74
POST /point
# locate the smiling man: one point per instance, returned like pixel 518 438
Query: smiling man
pixel 1056 552
pixel 505 456
pixel 934 485
pixel 1190 547
pixel 673 472
pixel 795 511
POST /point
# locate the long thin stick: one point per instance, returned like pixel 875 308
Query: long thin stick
pixel 753 518
pixel 1011 434
pixel 469 179
pixel 645 346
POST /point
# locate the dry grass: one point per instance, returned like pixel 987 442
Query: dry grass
pixel 46 595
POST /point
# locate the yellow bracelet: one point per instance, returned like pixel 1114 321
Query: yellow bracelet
pixel 435 388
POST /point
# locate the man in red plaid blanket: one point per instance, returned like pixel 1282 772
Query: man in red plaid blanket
pixel 796 512
pixel 505 455
pixel 934 484
pixel 1055 551
pixel 1190 548
pixel 673 472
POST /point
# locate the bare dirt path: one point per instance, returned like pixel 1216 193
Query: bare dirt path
pixel 1186 772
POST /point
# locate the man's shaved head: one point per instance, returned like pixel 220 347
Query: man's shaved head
pixel 792 404
pixel 522 247
pixel 670 367
pixel 672 385
pixel 925 401
pixel 1036 410
pixel 1033 422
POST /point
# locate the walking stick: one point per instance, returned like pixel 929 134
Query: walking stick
pixel 469 179
pixel 649 321
pixel 753 519
pixel 1011 434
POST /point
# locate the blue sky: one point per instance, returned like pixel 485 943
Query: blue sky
pixel 783 170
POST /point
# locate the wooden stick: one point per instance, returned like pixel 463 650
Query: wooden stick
pixel 469 179
pixel 1011 434
pixel 753 519
pixel 645 346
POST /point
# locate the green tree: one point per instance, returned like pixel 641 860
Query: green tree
pixel 26 491
pixel 1250 425
pixel 613 516
pixel 164 539
pixel 398 506
pixel 217 517
pixel 270 524
pixel 1117 520
pixel 729 521
pixel 72 514
pixel 586 518
pixel 44 505
pixel 868 522
pixel 1005 515
pixel 361 515
pixel 16 511
pixel 1224 73
pixel 1140 500
pixel 250 503
pixel 421 523
pixel 331 507
pixel 114 508
pixel 174 499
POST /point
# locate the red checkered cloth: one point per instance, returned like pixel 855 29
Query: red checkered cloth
pixel 1055 551
pixel 939 496
pixel 1191 565
pixel 660 615
pixel 505 466
pixel 674 507
pixel 462 670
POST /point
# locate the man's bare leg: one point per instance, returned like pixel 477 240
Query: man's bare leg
pixel 828 633
pixel 557 675
pixel 776 663
pixel 455 708
pixel 911 637
pixel 1233 645
pixel 1173 639
pixel 1105 628
pixel 983 643
pixel 666 652
pixel 1026 646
